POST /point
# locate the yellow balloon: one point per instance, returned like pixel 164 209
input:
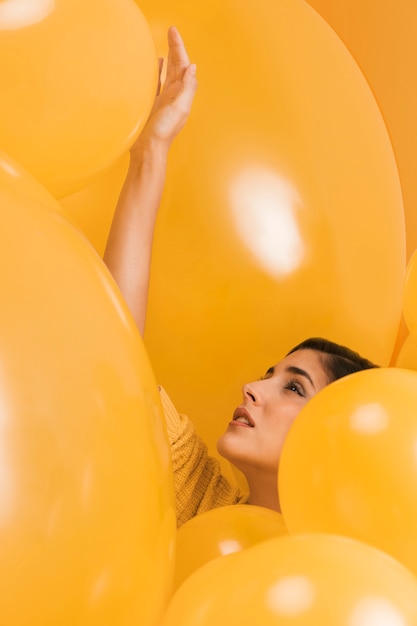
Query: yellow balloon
pixel 78 82
pixel 298 581
pixel 87 520
pixel 407 356
pixel 349 465
pixel 410 295
pixel 382 39
pixel 282 216
pixel 223 531
pixel 92 207
pixel 402 335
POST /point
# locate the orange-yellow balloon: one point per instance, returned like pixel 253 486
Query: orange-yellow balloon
pixel 410 295
pixel 382 39
pixel 282 217
pixel 349 463
pixel 402 335
pixel 87 521
pixel 407 356
pixel 92 207
pixel 78 79
pixel 223 531
pixel 302 580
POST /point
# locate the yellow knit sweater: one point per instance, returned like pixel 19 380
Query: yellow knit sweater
pixel 199 484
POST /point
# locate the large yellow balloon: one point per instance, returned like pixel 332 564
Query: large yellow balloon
pixel 78 79
pixel 223 531
pixel 298 581
pixel 282 217
pixel 349 465
pixel 382 37
pixel 87 519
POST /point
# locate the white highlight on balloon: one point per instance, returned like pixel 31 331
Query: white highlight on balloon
pixel 7 479
pixel 229 546
pixel 264 207
pixel 15 14
pixel 376 612
pixel 6 166
pixel 369 419
pixel 291 596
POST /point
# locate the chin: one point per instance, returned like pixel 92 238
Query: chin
pixel 226 448
pixel 230 450
pixel 221 447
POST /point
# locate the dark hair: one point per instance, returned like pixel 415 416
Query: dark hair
pixel 338 361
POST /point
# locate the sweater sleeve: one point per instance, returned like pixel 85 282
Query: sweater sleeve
pixel 199 483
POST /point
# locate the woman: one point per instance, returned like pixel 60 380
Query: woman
pixel 256 433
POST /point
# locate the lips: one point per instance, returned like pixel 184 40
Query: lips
pixel 243 416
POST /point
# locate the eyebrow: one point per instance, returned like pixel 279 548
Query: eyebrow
pixel 297 370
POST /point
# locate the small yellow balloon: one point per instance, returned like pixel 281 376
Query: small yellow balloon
pixel 407 356
pixel 349 465
pixel 223 531
pixel 87 519
pixel 78 81
pixel 410 295
pixel 302 580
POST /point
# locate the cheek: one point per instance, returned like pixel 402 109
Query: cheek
pixel 287 412
pixel 279 426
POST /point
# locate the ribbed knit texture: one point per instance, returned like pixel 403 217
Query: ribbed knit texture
pixel 199 483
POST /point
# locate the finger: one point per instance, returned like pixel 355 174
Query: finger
pixel 160 68
pixel 185 97
pixel 178 59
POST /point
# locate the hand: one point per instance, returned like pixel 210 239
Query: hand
pixel 173 103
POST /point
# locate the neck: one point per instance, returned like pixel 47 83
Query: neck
pixel 264 492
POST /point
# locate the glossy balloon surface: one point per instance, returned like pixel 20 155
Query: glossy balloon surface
pixel 282 216
pixel 349 465
pixel 78 81
pixel 382 38
pixel 407 356
pixel 410 295
pixel 92 207
pixel 222 531
pixel 87 519
pixel 298 581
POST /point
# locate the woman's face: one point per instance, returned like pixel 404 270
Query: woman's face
pixel 254 438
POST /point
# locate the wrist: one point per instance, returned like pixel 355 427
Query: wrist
pixel 149 150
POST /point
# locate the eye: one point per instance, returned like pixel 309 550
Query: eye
pixel 296 387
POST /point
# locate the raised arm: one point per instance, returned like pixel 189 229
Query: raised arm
pixel 129 247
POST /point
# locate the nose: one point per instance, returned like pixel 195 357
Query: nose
pixel 252 392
